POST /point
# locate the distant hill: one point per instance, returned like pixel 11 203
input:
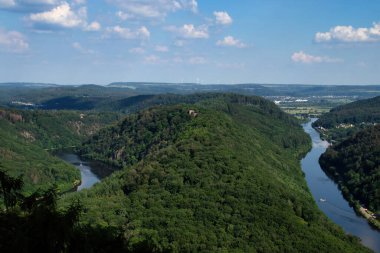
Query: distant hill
pixel 355 164
pixel 220 175
pixel 94 97
pixel 367 111
pixel 296 90
pixel 58 96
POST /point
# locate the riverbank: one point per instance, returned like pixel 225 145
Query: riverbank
pixel 370 216
pixel 336 208
pixel 359 209
pixel 88 177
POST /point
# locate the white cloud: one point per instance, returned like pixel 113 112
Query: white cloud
pixel 193 6
pixel 147 11
pixel 64 16
pixel 124 16
pixel 152 59
pixel 222 18
pixel 137 50
pixel 94 26
pixel 61 15
pixel 126 33
pixel 152 8
pixel 375 29
pixel 302 57
pixel 230 41
pixel 189 31
pixel 162 49
pixel 12 41
pixel 350 34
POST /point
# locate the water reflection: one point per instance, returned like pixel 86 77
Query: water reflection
pixel 335 206
pixel 88 178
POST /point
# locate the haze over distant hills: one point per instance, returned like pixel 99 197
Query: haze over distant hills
pixel 90 96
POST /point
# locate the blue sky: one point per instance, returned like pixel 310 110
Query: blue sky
pixel 206 41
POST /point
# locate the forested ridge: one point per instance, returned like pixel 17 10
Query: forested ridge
pixel 367 111
pixel 355 164
pixel 27 139
pixel 225 178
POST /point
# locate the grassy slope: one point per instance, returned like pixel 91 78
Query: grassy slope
pixel 227 180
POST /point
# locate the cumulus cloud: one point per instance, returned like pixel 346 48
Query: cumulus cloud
pixel 12 41
pixel 222 18
pixel 123 16
pixel 302 57
pixel 94 26
pixel 350 34
pixel 152 8
pixel 63 16
pixel 189 31
pixel 126 33
pixel 230 41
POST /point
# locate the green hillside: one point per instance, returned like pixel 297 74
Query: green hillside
pixel 28 137
pixel 367 111
pixel 225 180
pixel 355 165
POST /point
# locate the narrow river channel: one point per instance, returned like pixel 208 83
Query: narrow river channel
pixel 88 178
pixel 330 199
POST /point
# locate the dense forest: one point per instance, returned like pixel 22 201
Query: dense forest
pixel 367 111
pixel 219 175
pixel 27 139
pixel 355 164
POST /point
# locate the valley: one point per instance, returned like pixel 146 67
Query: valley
pixel 187 126
pixel 186 161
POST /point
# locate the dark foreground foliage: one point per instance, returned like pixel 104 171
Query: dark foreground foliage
pixel 35 224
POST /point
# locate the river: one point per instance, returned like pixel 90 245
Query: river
pixel 335 206
pixel 88 178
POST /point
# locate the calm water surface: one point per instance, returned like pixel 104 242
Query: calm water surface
pixel 335 206
pixel 87 176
